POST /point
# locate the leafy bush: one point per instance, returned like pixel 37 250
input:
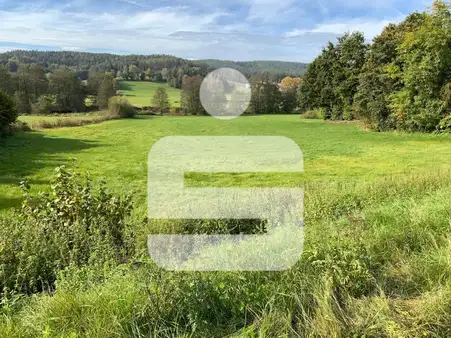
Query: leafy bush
pixel 19 126
pixel 314 114
pixel 121 107
pixel 73 225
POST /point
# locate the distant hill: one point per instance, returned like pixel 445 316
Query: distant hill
pixel 251 67
pixel 156 67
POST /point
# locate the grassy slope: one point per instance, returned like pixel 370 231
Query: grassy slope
pixel 140 93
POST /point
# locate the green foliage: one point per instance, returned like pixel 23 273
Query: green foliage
pixel 69 94
pixel 266 97
pixel 73 225
pixel 332 78
pixel 22 103
pixel 190 95
pixel 127 67
pixel 314 114
pixel 445 123
pixel 106 90
pixel 425 58
pixel 378 267
pixel 120 107
pixel 288 101
pixel 277 69
pixel 8 112
pixel 6 84
pixel 43 106
pixel 160 100
pixel 378 79
pixel 31 81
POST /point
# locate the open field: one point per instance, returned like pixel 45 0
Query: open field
pixel 377 251
pixel 140 93
pixel 117 150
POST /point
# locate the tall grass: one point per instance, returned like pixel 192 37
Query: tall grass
pixel 376 263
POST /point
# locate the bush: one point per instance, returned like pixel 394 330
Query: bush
pixel 120 107
pixel 314 114
pixel 19 126
pixel 73 225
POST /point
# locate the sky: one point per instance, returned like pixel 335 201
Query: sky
pixel 284 30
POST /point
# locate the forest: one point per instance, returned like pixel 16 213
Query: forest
pixel 156 68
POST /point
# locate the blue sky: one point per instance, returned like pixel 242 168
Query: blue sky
pixel 284 30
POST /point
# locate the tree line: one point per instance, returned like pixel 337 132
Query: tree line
pixel 276 70
pixel 267 95
pixel 33 90
pixel 156 68
pixel 401 81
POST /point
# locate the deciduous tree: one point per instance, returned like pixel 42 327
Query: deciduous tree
pixel 160 100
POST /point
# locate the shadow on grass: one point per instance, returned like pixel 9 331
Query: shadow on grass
pixel 10 203
pixel 24 154
pixel 124 86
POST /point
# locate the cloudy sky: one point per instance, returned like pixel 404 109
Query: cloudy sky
pixel 284 30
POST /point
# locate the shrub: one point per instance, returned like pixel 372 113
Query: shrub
pixel 73 225
pixel 19 126
pixel 121 107
pixel 314 114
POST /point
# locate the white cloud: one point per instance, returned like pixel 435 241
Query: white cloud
pixel 177 30
pixel 370 28
pixel 146 32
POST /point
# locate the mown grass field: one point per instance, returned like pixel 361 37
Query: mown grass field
pixel 377 251
pixel 117 151
pixel 140 93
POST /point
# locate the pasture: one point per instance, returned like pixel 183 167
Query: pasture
pixel 117 151
pixel 140 93
pixel 377 253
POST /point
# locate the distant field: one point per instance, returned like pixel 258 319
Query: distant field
pixel 140 93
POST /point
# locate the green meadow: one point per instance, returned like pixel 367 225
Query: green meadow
pixel 140 93
pixel 377 251
pixel 117 151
